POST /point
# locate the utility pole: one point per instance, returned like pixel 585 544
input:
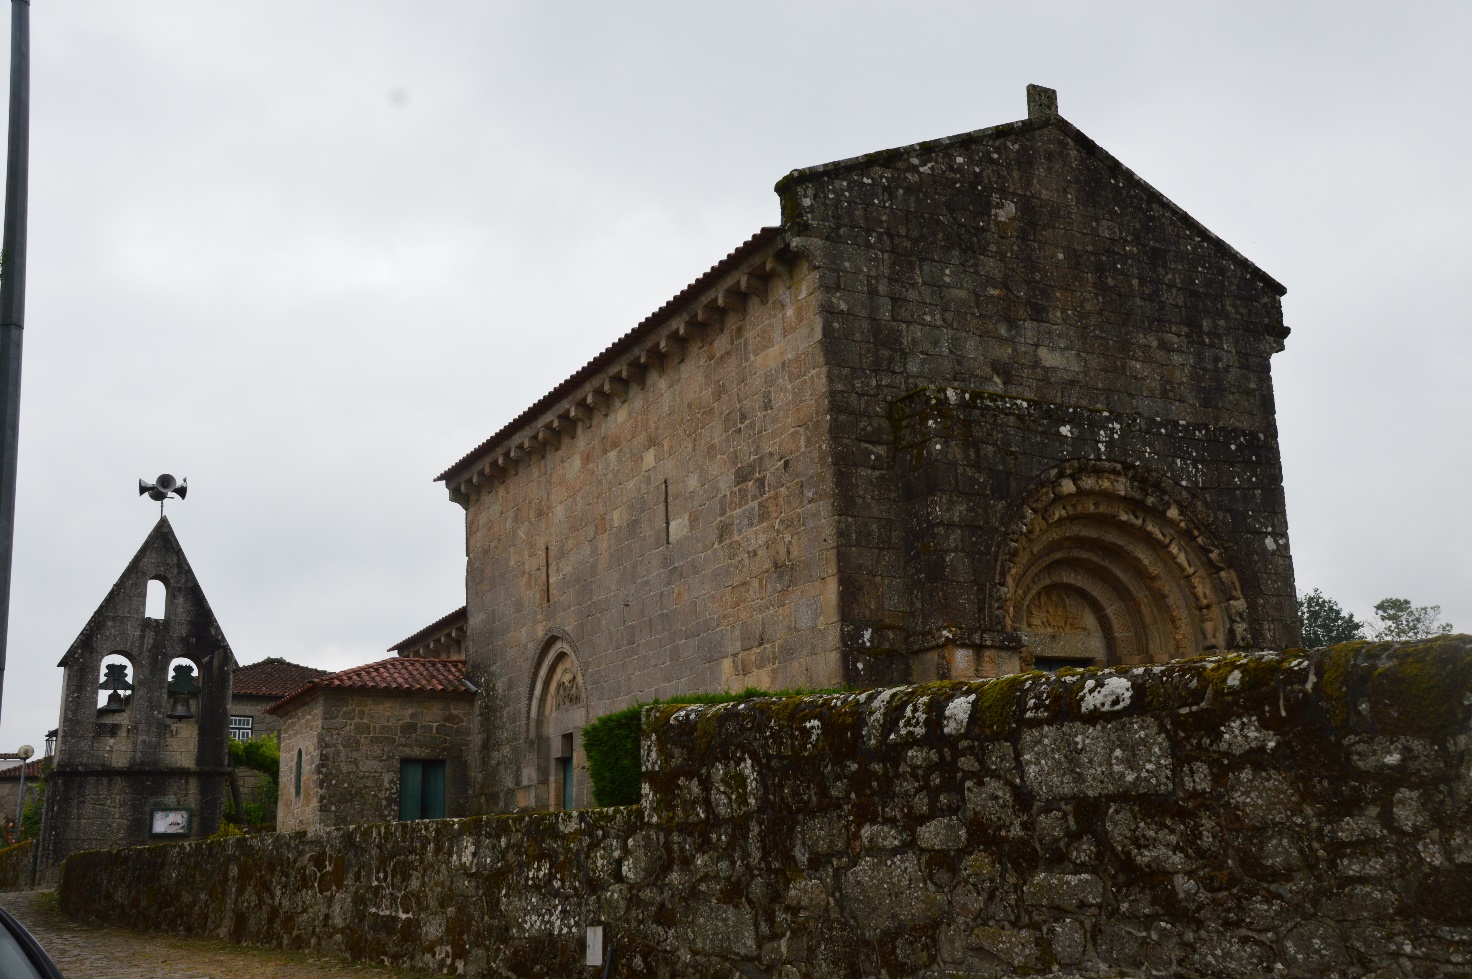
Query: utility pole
pixel 13 295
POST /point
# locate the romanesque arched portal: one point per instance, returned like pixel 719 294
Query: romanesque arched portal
pixel 1109 564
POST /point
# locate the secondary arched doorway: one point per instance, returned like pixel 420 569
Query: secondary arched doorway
pixel 557 711
pixel 1111 565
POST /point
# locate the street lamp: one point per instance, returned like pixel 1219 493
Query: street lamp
pixel 25 753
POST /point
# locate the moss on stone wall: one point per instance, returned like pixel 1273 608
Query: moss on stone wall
pixel 15 866
pixel 1264 815
pixel 611 743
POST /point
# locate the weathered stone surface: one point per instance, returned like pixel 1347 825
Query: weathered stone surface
pixel 1290 858
pixel 1064 892
pixel 1015 947
pixel 351 744
pixel 1155 838
pixel 1128 757
pixel 1068 941
pixel 886 893
pixel 15 866
pixel 946 833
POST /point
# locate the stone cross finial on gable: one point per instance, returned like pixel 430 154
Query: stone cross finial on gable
pixel 1042 103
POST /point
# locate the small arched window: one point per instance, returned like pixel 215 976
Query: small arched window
pixel 297 779
pixel 157 604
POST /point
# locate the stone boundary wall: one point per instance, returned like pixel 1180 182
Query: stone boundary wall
pixel 15 866
pixel 1292 815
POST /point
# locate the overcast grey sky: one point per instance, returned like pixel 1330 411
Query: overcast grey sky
pixel 307 254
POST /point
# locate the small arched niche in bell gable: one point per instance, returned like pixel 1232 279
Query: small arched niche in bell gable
pixel 156 602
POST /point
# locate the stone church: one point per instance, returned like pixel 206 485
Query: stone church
pixel 982 404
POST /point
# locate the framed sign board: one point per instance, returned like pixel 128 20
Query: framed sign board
pixel 169 822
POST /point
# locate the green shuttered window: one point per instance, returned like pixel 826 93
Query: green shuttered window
pixel 421 789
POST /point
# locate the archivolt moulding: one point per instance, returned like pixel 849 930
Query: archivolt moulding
pixel 1112 561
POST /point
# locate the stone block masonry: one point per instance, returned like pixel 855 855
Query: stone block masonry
pixel 729 495
pixel 351 744
pixel 15 866
pixel 1278 814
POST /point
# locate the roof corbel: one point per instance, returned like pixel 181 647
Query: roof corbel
pixel 731 298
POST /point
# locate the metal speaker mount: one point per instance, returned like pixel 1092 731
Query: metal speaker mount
pixel 162 488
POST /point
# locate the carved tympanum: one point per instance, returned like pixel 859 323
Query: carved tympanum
pixel 568 692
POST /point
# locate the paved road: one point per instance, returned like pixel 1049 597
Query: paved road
pixel 112 953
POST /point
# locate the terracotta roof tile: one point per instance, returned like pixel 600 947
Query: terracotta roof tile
pixel 35 768
pixel 273 677
pixel 398 674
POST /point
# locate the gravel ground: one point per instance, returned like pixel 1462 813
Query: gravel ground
pixel 113 953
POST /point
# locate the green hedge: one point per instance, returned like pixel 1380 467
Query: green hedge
pixel 611 743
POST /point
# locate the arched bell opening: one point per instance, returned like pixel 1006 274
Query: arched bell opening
pixel 115 684
pixel 1104 569
pixel 182 689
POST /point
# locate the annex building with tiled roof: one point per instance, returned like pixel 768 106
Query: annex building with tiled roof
pixel 975 406
pixel 374 743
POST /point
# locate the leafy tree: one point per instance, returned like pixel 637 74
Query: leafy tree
pixel 30 817
pixel 264 755
pixel 1400 621
pixel 1325 623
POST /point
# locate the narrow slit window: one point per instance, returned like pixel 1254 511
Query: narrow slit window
pixel 297 777
pixel 666 511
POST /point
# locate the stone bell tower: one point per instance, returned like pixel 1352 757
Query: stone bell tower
pixel 142 752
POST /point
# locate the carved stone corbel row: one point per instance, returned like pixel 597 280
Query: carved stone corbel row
pixel 603 394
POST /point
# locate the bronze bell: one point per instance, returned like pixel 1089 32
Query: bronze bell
pixel 182 689
pixel 115 678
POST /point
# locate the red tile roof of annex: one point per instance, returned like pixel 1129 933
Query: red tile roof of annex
pixel 397 674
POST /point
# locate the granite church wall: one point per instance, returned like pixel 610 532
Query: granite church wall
pixel 1291 814
pixel 1023 260
pixel 971 461
pixel 678 539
